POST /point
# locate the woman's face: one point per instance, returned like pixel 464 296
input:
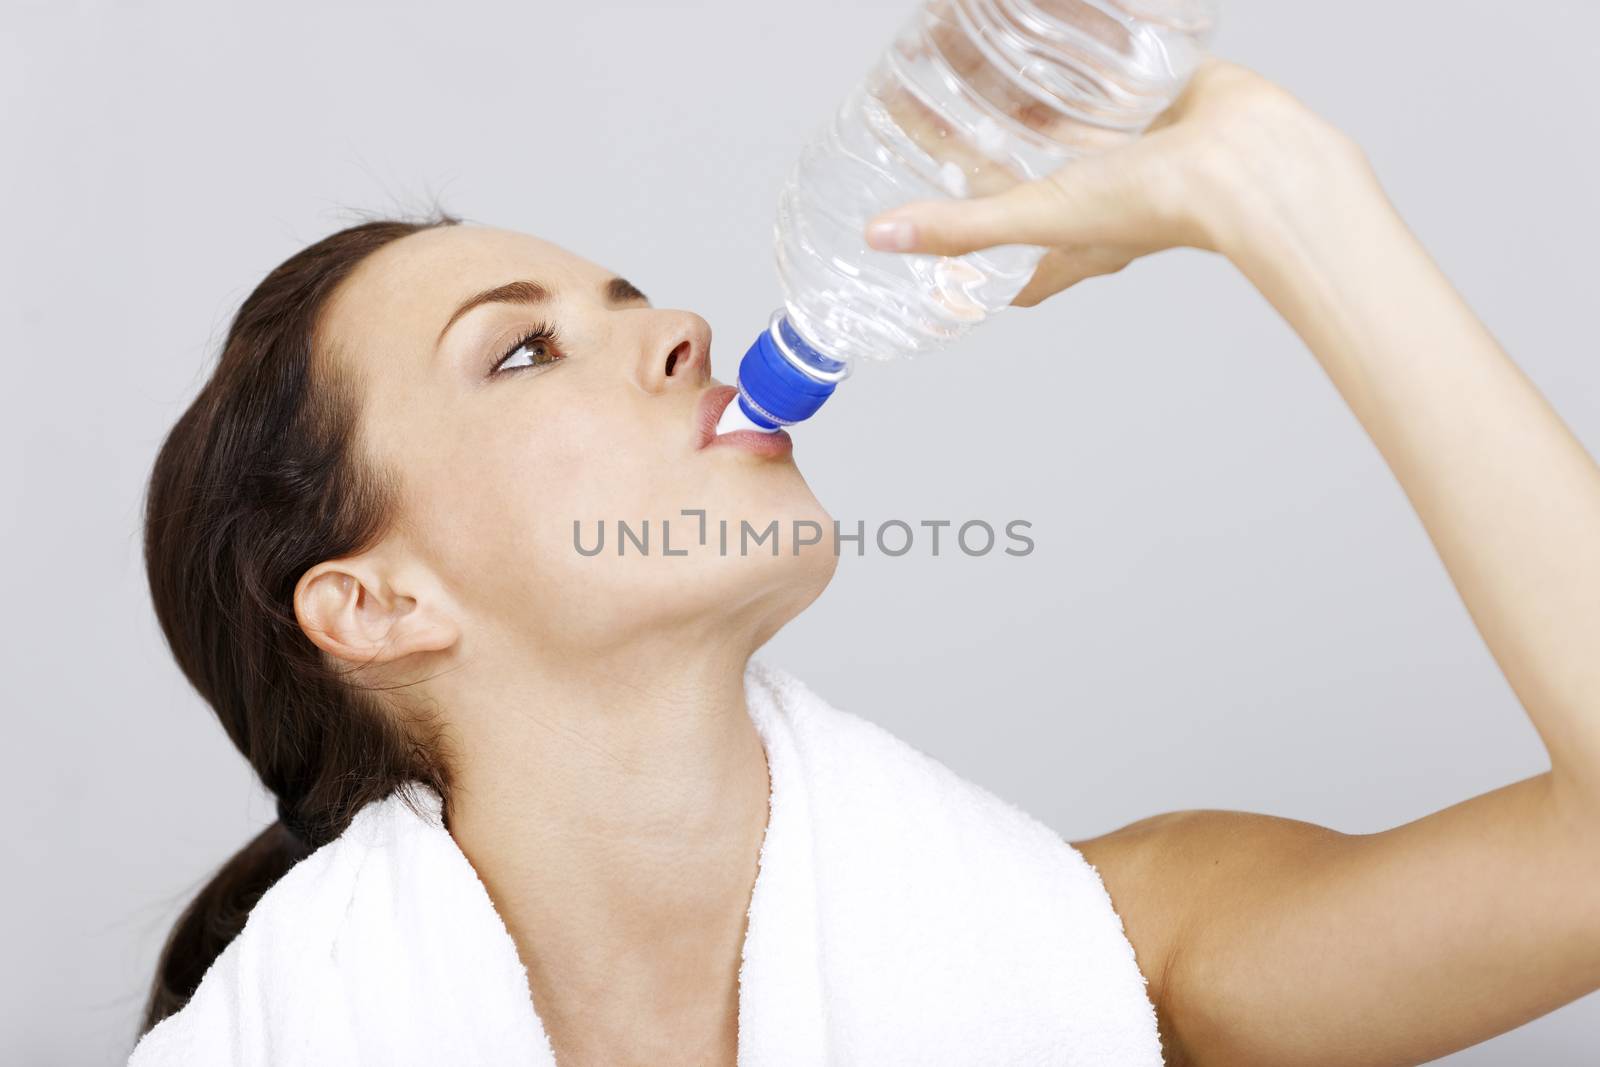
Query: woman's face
pixel 594 426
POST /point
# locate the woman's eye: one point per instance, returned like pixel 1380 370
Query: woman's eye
pixel 529 352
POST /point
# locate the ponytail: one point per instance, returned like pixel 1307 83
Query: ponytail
pixel 215 917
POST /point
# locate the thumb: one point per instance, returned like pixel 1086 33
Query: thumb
pixel 1121 197
pixel 1020 215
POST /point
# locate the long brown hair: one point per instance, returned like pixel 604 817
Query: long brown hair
pixel 258 482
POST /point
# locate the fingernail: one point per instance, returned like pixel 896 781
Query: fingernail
pixel 892 235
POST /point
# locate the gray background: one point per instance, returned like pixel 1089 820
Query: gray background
pixel 1231 604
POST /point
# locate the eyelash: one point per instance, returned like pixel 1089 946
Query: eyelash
pixel 543 332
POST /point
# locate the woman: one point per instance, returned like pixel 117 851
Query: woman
pixel 361 547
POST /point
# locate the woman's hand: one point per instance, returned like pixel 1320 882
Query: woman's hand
pixel 1233 155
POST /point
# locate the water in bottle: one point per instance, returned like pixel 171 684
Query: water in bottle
pixel 973 97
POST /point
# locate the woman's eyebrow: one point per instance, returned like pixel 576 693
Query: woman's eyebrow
pixel 617 291
pixel 621 290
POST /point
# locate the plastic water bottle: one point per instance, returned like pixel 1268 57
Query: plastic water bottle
pixel 973 97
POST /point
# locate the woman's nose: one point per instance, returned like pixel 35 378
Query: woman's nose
pixel 677 348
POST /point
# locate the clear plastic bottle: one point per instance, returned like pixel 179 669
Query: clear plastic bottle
pixel 973 97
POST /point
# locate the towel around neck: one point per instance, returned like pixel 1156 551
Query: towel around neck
pixel 901 915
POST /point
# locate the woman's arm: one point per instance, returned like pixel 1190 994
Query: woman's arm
pixel 1272 941
pixel 1508 496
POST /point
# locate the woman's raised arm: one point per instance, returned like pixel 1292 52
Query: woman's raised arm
pixel 1270 941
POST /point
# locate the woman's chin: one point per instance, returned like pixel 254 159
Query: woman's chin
pixel 778 577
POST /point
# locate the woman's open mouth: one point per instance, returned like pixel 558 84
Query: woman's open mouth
pixel 708 411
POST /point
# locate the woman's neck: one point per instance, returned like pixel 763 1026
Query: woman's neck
pixel 616 814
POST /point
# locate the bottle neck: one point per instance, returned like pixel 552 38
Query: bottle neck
pixel 805 356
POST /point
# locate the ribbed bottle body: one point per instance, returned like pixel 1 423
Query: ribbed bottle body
pixel 973 97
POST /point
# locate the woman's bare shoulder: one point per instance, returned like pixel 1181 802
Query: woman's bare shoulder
pixel 1156 870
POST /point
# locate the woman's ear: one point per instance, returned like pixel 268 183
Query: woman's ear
pixel 356 611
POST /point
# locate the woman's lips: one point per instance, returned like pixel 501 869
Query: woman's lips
pixel 708 412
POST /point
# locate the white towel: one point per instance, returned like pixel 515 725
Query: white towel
pixel 901 915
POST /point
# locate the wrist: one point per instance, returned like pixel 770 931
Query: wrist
pixel 1280 183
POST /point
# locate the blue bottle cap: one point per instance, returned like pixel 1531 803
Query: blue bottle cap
pixel 773 390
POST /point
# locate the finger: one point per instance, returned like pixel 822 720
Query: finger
pixel 1062 268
